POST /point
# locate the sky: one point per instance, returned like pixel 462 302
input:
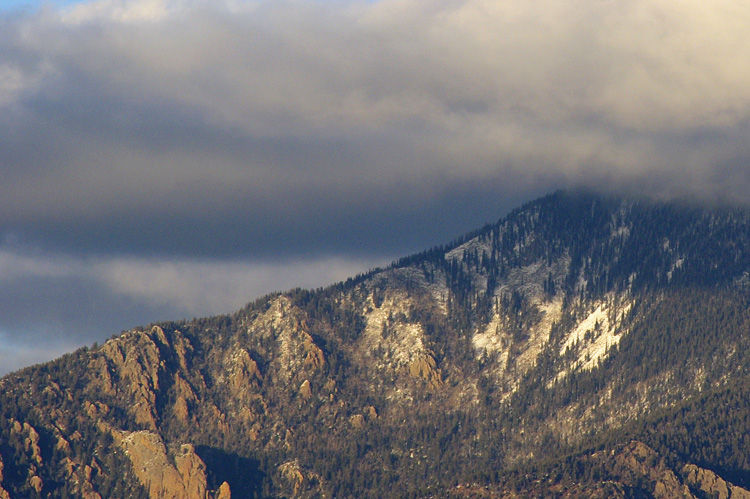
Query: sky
pixel 170 159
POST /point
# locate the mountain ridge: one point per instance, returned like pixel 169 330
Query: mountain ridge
pixel 575 319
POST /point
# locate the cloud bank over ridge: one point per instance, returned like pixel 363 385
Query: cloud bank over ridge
pixel 258 133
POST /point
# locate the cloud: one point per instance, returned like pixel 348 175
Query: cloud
pixel 149 114
pixel 51 304
pixel 16 354
pixel 209 288
pixel 191 286
pixel 187 142
pixel 122 11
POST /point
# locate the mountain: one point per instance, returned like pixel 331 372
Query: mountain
pixel 582 346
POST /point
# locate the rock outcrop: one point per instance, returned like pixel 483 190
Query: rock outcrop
pixel 357 421
pixel 3 493
pixel 224 491
pixel 644 463
pixel 130 367
pixel 29 438
pixel 186 479
pixel 299 482
pixel 424 367
pixel 712 484
pixel 79 476
pixel 305 391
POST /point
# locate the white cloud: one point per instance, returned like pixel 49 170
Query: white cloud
pixel 123 11
pixel 197 287
pixel 208 288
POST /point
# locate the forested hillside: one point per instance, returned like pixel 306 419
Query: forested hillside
pixel 582 346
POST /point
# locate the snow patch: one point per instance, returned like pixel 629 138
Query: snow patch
pixel 413 277
pixel 539 334
pixel 675 266
pixel 387 337
pixel 622 232
pixel 530 280
pixel 595 335
pixel 496 342
pixel 482 245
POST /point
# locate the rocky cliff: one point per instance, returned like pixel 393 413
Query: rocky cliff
pixel 569 335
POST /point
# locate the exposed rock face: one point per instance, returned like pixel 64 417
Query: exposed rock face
pixel 32 443
pixel 224 491
pixel 707 481
pixel 642 461
pixel 36 483
pixel 301 483
pixel 130 367
pixel 712 484
pixel 636 464
pixel 357 421
pixel 134 368
pixel 243 379
pixel 287 326
pixel 193 472
pixel 304 390
pixel 292 474
pixel 185 398
pixel 314 357
pixel 185 480
pixel 3 492
pixel 371 412
pixel 30 438
pixel 244 374
pixel 80 476
pixel 424 367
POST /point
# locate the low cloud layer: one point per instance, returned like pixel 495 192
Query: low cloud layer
pixel 50 305
pixel 256 133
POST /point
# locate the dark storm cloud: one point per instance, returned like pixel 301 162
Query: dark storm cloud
pixel 248 129
pixel 313 222
pixel 271 135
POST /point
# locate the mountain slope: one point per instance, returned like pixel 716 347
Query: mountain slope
pixel 561 330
